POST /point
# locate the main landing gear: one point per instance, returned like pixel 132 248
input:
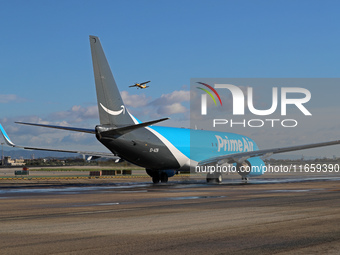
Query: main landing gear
pixel 160 177
pixel 214 177
pixel 217 178
pixel 245 179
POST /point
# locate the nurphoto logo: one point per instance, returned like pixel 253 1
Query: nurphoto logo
pixel 280 99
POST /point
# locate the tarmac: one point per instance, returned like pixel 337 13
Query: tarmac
pixel 274 214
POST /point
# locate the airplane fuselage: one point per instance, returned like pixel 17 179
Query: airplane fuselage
pixel 164 148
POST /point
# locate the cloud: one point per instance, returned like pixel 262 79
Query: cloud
pixel 134 100
pixel 8 98
pixel 76 114
pixel 174 97
pixel 171 109
pixel 172 103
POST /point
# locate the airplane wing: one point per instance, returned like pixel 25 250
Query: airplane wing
pixel 89 153
pixel 144 83
pixel 132 86
pixel 242 156
pixel 84 130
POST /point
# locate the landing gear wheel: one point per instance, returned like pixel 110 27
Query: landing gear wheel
pixel 245 179
pixel 218 177
pixel 214 177
pixel 164 177
pixel 155 178
pixel 210 178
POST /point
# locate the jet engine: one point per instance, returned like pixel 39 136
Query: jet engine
pixel 251 167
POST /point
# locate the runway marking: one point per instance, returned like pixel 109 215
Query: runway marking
pixel 294 190
pixel 64 214
pixel 82 177
pixel 193 197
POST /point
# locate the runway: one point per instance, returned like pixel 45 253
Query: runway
pixel 268 216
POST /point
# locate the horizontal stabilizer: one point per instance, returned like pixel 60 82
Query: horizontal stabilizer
pixel 123 130
pixel 83 130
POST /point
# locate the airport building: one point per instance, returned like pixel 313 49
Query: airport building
pixel 8 161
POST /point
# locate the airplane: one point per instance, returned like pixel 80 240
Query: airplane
pixel 140 85
pixel 162 151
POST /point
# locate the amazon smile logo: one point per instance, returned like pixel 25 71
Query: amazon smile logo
pixel 114 113
pixel 204 97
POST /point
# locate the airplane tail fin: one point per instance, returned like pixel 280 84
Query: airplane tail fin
pixel 112 110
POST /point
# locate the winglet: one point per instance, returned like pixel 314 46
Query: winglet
pixel 4 134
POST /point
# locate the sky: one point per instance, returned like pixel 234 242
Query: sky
pixel 46 68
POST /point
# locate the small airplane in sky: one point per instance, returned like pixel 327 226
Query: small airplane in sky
pixel 140 85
